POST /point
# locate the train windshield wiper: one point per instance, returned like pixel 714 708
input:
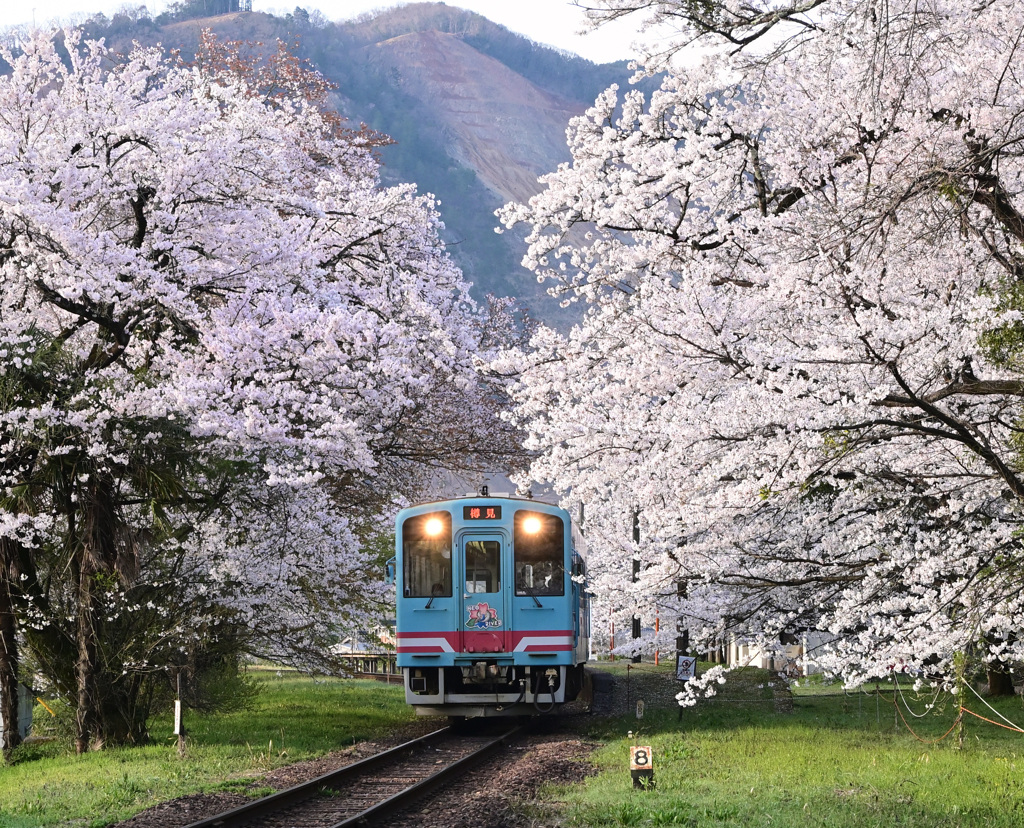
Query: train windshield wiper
pixel 436 592
pixel 529 591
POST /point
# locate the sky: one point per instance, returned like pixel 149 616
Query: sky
pixel 552 22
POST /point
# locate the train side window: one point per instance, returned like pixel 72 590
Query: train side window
pixel 538 541
pixel 427 556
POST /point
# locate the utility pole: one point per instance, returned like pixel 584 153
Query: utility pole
pixel 682 631
pixel 636 574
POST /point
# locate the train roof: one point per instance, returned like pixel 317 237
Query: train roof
pixel 476 497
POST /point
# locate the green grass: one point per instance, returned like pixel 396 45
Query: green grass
pixel 836 760
pixel 294 718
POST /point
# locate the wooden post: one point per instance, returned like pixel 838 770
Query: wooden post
pixel 960 668
pixel 657 629
pixel 179 724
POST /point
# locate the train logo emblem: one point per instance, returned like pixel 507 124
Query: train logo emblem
pixel 482 617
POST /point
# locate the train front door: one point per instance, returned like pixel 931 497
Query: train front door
pixel 485 616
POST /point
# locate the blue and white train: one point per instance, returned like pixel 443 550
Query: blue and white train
pixel 493 617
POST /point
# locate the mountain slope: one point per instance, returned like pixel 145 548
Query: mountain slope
pixel 476 112
pixel 504 128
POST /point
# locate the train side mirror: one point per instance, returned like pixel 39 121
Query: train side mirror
pixel 389 571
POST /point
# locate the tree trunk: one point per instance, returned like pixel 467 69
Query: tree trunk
pixel 10 738
pixel 87 718
pixel 1000 682
pixel 122 710
pixel 98 554
pixel 682 628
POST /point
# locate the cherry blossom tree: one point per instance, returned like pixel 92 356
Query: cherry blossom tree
pixel 214 324
pixel 801 263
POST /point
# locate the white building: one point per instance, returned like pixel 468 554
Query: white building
pixel 795 657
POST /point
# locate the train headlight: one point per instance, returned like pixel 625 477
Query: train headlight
pixel 434 527
pixel 531 525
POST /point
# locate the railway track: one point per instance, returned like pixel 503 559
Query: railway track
pixel 389 678
pixel 367 791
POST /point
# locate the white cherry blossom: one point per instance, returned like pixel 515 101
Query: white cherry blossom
pixel 801 261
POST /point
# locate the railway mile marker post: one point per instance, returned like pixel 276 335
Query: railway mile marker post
pixel 641 765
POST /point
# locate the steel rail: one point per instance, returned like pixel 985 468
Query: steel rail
pixel 332 781
pixel 437 780
pixel 297 793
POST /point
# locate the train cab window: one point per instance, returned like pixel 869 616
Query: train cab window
pixel 538 542
pixel 483 566
pixel 427 556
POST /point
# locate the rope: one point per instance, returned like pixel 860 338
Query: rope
pixel 1014 728
pixel 895 704
pixel 956 721
pixel 990 707
pixel 905 703
pixel 959 717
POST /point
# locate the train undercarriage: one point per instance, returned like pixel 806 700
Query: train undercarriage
pixel 488 688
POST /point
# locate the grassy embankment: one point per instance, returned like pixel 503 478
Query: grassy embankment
pixel 293 718
pixel 836 760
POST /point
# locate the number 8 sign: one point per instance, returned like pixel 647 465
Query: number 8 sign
pixel 641 766
pixel 641 758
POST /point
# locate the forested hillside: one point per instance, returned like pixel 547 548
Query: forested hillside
pixel 476 112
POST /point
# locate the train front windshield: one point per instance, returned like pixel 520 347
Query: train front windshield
pixel 427 554
pixel 539 543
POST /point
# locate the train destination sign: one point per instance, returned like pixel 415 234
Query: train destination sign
pixel 481 513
